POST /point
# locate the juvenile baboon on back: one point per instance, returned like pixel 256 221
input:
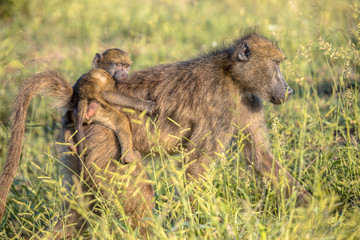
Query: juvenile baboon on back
pixel 98 86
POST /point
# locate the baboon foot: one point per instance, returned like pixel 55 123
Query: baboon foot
pixel 90 111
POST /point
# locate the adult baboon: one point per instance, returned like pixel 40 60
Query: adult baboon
pixel 209 95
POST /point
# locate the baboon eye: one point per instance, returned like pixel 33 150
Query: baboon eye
pixel 278 61
pixel 247 52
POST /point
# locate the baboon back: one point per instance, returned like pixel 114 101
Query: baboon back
pixel 193 94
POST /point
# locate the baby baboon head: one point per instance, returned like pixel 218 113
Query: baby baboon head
pixel 115 61
pixel 256 68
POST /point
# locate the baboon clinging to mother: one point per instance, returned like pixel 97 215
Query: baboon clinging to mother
pixel 210 96
pixel 98 85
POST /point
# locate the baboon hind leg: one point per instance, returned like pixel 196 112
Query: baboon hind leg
pixel 138 203
pixel 129 186
pixel 124 184
pixel 80 118
pixel 202 147
pixel 70 223
pixel 119 123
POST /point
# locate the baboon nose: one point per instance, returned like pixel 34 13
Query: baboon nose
pixel 290 91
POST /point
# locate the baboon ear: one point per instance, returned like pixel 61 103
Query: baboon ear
pixel 244 53
pixel 95 61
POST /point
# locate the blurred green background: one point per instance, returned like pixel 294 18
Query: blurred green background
pixel 315 134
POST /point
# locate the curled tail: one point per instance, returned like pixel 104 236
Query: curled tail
pixel 47 82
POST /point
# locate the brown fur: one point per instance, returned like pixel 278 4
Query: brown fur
pixel 210 95
pixel 92 86
pixel 55 85
pixel 109 68
pixel 115 61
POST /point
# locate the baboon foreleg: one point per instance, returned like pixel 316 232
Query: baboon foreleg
pixel 114 98
pixel 258 154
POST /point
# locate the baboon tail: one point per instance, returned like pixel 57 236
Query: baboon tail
pixel 49 82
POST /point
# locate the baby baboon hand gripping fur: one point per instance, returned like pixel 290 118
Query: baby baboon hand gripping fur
pixel 99 85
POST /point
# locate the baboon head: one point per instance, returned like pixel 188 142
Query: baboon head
pixel 255 68
pixel 115 61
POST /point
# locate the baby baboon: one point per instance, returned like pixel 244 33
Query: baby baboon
pixel 97 86
pixel 115 61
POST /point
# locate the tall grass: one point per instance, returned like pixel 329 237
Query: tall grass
pixel 315 134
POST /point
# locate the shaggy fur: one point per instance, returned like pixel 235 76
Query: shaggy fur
pixel 213 96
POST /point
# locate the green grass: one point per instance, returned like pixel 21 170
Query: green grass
pixel 315 134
